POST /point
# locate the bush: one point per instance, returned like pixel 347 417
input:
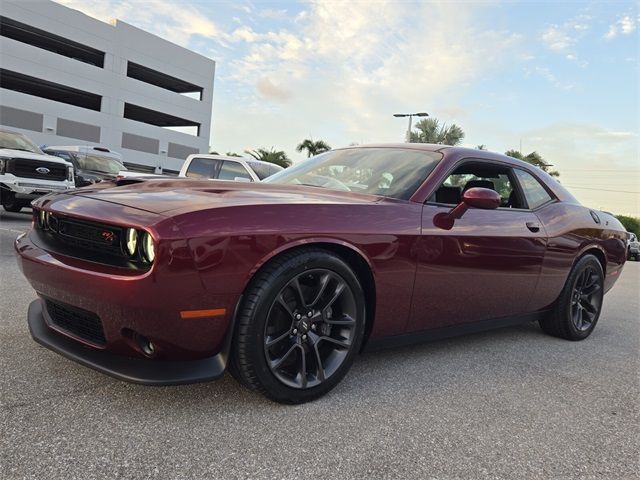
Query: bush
pixel 632 224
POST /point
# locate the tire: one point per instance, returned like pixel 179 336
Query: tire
pixel 578 308
pixel 293 353
pixel 11 204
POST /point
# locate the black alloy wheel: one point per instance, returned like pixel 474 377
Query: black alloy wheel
pixel 310 328
pixel 586 299
pixel 578 307
pixel 299 326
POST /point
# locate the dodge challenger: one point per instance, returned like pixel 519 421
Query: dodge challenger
pixel 172 281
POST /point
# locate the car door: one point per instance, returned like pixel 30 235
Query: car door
pixel 486 266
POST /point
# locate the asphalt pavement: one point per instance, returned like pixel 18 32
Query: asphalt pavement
pixel 510 403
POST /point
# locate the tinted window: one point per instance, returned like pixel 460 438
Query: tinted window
pixel 99 163
pixel 534 192
pixel 233 170
pixel 391 172
pixel 479 174
pixel 260 169
pixel 202 168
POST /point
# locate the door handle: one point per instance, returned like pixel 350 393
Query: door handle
pixel 533 226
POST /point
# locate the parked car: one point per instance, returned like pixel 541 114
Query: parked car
pixel 80 150
pixel 27 173
pixel 285 281
pixel 219 167
pixel 633 249
pixel 95 167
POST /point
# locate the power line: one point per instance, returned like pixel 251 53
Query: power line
pixel 602 189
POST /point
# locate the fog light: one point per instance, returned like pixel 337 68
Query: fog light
pixel 131 241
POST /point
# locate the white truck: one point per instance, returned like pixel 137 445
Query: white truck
pixel 27 173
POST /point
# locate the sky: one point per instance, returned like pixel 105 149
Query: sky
pixel 560 78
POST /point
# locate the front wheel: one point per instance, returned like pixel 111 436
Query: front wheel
pixel 11 204
pixel 578 308
pixel 299 327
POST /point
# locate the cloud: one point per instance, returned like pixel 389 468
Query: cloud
pixel 626 25
pixel 270 91
pixel 563 39
pixel 546 73
pixel 160 17
pixel 557 39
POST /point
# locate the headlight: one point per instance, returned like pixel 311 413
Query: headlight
pixel 131 241
pixel 41 218
pixel 148 248
pixel 70 174
pixel 2 165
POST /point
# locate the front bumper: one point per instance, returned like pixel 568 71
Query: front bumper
pixel 135 370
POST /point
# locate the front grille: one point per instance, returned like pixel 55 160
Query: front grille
pixel 104 239
pixel 28 168
pixel 75 321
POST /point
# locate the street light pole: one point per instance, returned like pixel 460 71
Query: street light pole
pixel 410 115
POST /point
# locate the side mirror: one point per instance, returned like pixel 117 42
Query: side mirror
pixel 483 198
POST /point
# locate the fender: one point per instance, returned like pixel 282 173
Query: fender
pixel 303 242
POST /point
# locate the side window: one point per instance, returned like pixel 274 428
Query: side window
pixel 483 175
pixel 534 192
pixel 202 168
pixel 232 170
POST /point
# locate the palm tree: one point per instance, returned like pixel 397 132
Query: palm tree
pixel 534 158
pixel 272 156
pixel 481 147
pixel 313 147
pixel 429 130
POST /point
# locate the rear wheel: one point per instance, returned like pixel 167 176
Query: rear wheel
pixel 578 308
pixel 299 327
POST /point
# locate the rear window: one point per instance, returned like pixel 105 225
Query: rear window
pixel 263 170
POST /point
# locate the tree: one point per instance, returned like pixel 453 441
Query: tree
pixel 429 130
pixel 313 147
pixel 631 224
pixel 481 147
pixel 233 154
pixel 534 158
pixel 272 156
pixel 213 152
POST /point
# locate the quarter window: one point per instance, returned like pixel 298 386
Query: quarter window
pixel 232 170
pixel 534 192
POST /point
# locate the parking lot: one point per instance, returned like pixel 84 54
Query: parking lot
pixel 511 403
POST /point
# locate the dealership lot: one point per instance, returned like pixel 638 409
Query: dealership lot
pixel 511 403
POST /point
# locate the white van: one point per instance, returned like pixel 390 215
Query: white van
pixel 220 167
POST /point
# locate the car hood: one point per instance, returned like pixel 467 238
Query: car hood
pixel 10 153
pixel 177 196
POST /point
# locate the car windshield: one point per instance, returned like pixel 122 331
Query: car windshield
pixel 17 141
pixel 391 172
pixel 99 164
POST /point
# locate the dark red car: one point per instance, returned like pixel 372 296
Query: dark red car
pixel 284 282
